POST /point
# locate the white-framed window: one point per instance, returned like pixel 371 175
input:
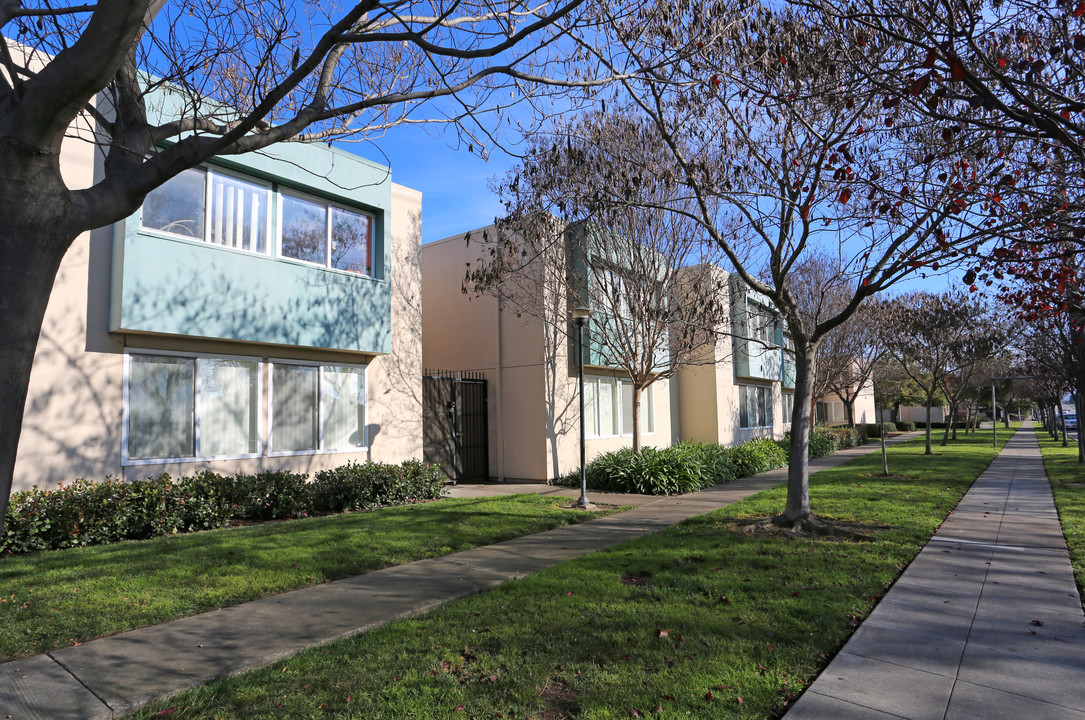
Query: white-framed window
pixel 647 409
pixel 754 406
pixel 240 209
pixel 608 407
pixel 762 324
pixel 315 231
pixel 789 405
pixel 316 407
pixel 226 209
pixel 187 407
pixel 831 411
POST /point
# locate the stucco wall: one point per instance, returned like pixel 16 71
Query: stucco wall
pixel 73 420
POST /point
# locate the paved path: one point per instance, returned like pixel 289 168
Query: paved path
pixel 985 623
pixel 107 677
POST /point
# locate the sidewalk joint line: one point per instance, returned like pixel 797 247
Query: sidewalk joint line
pixel 86 687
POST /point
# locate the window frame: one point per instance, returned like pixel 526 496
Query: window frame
pixel 320 365
pixel 283 191
pixel 126 408
pixel 769 404
pixel 209 171
pixel 273 216
pixel 619 384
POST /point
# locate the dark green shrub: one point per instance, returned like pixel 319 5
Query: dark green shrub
pixel 91 513
pixel 905 426
pixel 270 495
pixel 682 468
pixel 756 456
pixel 338 489
pixel 203 501
pixel 822 443
pixel 357 486
pixel 874 430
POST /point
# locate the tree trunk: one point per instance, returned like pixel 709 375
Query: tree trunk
pixel 849 412
pixel 797 507
pixel 930 399
pixel 637 390
pixel 949 421
pixel 1062 423
pixel 24 295
pixel 1080 434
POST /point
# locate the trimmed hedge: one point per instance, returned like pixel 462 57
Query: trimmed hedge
pixel 905 426
pixel 85 512
pixel 682 468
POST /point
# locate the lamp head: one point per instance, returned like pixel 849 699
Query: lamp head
pixel 580 315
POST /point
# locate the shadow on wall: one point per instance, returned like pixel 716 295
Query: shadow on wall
pixel 206 301
pixel 402 391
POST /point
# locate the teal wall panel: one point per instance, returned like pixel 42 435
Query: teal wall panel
pixel 193 289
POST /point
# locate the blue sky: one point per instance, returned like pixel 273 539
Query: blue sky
pixel 454 182
pixel 455 189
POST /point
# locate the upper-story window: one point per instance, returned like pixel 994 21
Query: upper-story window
pixel 220 208
pixel 317 232
pixel 763 325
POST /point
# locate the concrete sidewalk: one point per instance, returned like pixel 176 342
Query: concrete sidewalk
pixel 985 623
pixel 108 677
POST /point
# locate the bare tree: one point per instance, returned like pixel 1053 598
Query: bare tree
pixel 985 335
pixel 784 151
pixel 924 333
pixel 644 271
pixel 160 87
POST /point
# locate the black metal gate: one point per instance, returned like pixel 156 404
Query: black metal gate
pixel 455 433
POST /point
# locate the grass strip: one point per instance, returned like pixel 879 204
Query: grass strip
pixel 1067 478
pixel 57 598
pixel 700 620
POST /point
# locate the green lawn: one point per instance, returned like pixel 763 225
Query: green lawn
pixel 699 621
pixel 1068 484
pixel 52 599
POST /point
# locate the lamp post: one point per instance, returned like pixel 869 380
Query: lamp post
pixel 580 316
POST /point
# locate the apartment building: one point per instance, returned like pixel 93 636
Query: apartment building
pixel 261 311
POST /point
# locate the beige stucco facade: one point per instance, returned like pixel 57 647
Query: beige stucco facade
pixel 532 382
pixel 73 422
pixel 709 392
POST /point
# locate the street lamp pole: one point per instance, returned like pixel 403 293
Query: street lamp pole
pixel 580 316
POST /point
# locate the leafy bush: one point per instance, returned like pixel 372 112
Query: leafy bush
pixel 874 430
pixel 756 456
pixel 905 426
pixel 91 513
pixel 270 495
pixel 681 468
pixel 822 443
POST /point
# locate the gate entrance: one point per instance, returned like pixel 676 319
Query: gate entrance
pixel 455 432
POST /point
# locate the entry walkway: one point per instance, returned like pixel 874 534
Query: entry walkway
pixel 108 677
pixel 985 623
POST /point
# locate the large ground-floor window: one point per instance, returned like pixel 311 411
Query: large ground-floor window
pixel 754 406
pixel 608 407
pixel 317 408
pixel 829 412
pixel 194 407
pixel 187 407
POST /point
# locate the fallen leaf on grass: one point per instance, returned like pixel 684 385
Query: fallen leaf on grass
pixel 662 633
pixel 166 711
